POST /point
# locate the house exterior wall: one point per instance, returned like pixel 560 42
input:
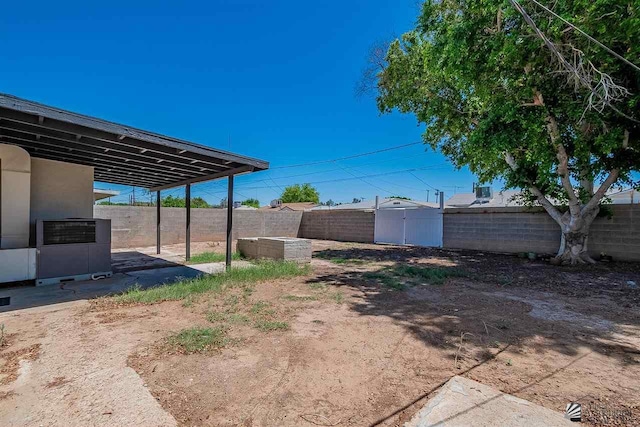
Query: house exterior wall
pixel 15 178
pixel 60 190
pixel 135 226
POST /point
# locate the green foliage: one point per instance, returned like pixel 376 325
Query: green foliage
pixel 485 85
pixel 206 257
pixel 198 340
pixel 180 202
pixel 300 193
pixel 263 271
pixel 271 325
pixel 400 197
pixel 254 203
pixel 398 276
pixel 108 203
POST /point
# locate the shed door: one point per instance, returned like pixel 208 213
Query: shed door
pixel 420 227
pixel 389 226
pixel 423 227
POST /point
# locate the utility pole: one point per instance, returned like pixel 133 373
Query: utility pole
pixel 427 195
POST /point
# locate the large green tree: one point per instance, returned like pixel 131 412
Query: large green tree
pixel 300 193
pixel 516 93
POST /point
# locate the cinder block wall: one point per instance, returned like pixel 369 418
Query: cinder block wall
pixel 135 226
pixel 343 225
pixel 532 230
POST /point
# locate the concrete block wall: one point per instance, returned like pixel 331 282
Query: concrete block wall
pixel 532 230
pixel 290 249
pixel 135 226
pixel 342 225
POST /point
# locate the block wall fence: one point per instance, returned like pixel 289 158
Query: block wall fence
pixel 492 229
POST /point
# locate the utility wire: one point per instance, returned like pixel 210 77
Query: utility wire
pixel 611 51
pixel 348 157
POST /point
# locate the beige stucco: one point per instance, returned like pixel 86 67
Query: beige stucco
pixel 15 176
pixel 60 190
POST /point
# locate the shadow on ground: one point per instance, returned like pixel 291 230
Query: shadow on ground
pixel 492 300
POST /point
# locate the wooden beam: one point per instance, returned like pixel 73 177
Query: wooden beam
pixel 236 171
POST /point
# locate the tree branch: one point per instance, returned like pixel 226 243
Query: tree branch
pixel 563 165
pixel 546 204
pixel 611 179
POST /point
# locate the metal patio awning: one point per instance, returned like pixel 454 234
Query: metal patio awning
pixel 119 154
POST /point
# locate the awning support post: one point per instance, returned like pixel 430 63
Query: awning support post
pixel 158 202
pixel 187 196
pixel 229 221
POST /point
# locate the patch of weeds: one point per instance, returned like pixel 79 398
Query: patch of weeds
pixel 385 279
pixel 431 275
pixel 495 344
pixel 259 307
pixel 300 297
pixel 198 340
pixel 318 286
pixel 351 261
pixel 206 257
pixel 271 325
pixel 234 318
pixel 2 338
pixel 231 300
pixel 509 362
pixel 338 297
pixel 188 301
pixel 319 322
pixel 262 271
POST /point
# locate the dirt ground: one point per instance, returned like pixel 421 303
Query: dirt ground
pixel 361 346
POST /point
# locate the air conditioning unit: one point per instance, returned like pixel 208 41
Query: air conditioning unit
pixel 72 249
pixel 276 203
pixel 484 194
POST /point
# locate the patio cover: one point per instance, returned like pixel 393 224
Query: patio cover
pixel 119 154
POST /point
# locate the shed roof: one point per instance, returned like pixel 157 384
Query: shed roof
pixel 119 154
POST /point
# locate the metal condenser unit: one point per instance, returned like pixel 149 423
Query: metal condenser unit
pixel 73 249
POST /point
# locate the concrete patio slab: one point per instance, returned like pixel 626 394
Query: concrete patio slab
pixel 36 296
pixel 462 402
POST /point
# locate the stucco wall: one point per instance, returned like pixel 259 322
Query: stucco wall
pixel 341 224
pixel 135 226
pixel 60 190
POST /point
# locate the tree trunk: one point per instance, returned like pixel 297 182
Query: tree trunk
pixel 575 235
pixel 575 248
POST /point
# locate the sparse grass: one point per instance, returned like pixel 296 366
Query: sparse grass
pixel 1 334
pixel 300 297
pixel 234 318
pixel 206 257
pixel 318 286
pixel 385 279
pixel 397 277
pixel 338 297
pixel 198 340
pixel 351 261
pixel 271 325
pixel 262 271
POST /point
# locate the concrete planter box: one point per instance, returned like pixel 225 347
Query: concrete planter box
pixel 280 248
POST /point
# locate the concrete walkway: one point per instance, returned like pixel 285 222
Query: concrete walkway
pixel 32 296
pixel 462 402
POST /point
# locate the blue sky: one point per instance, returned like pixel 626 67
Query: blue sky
pixel 269 79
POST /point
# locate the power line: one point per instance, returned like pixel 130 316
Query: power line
pixel 355 177
pixel 348 157
pixel 611 51
pixel 422 181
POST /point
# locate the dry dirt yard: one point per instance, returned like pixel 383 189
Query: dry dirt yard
pixel 363 340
